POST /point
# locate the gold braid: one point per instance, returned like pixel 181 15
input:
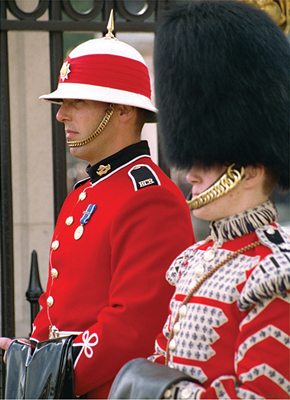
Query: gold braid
pixel 103 123
pixel 227 182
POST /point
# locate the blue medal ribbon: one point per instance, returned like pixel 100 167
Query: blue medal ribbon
pixel 88 213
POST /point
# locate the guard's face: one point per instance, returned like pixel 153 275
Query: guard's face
pixel 201 178
pixel 81 118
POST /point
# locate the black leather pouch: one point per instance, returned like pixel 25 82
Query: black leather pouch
pixel 142 379
pixel 41 372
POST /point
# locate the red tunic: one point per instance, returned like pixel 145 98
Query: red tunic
pixel 108 281
pixel 233 335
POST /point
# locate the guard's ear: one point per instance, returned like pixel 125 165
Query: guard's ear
pixel 253 175
pixel 126 112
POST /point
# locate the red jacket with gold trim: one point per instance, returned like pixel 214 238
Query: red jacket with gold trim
pixel 115 237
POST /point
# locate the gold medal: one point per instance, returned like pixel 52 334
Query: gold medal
pixel 79 232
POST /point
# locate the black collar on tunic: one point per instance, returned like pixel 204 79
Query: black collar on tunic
pixel 110 164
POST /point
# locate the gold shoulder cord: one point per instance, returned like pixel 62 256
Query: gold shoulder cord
pixel 227 182
pixel 103 123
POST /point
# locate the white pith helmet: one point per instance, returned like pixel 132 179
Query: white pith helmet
pixel 105 70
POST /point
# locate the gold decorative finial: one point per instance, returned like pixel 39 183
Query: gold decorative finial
pixel 110 25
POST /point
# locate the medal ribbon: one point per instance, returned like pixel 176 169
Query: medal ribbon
pixel 88 213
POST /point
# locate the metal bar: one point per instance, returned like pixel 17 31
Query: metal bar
pixel 34 290
pixel 161 160
pixel 6 229
pixel 76 26
pixel 6 216
pixel 58 134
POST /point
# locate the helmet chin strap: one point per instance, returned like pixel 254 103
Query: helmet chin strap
pixel 222 186
pixel 97 131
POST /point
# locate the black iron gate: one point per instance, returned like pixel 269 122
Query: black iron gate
pixel 62 17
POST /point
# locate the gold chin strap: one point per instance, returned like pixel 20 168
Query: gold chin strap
pixel 222 186
pixel 103 123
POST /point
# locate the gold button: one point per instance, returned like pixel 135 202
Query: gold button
pixel 176 328
pixel 82 196
pixel 50 301
pixel 209 255
pixel 54 273
pixel 270 231
pixel 55 245
pixel 172 344
pixel 167 394
pixel 199 270
pixel 69 221
pixel 185 393
pixel 182 310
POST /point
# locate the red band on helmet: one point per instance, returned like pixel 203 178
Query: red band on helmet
pixel 109 71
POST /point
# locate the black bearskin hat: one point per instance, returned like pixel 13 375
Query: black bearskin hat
pixel 222 87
